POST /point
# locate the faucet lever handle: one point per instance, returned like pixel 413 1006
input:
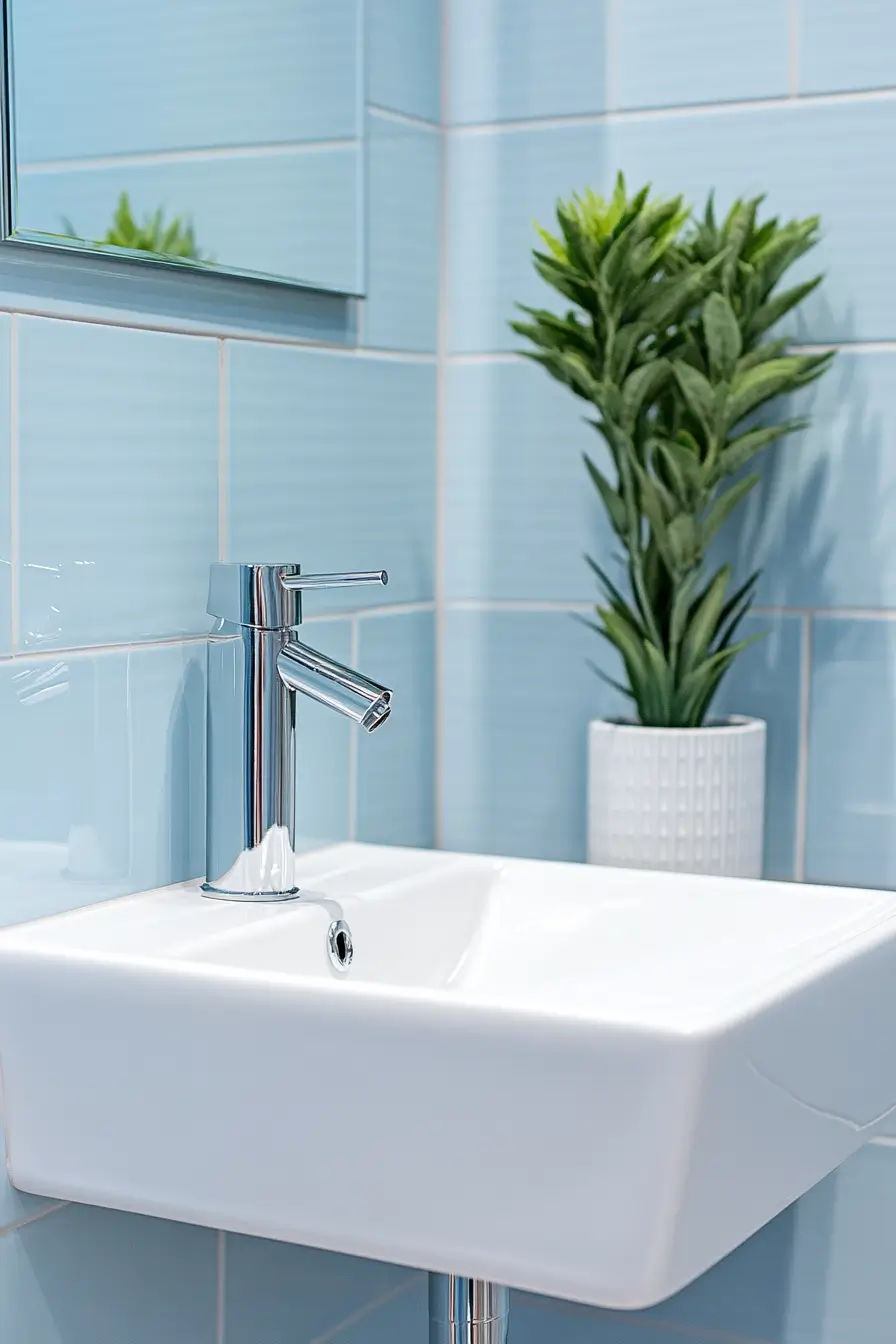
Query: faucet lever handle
pixel 300 582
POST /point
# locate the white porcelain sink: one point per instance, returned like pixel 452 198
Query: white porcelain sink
pixel 581 1081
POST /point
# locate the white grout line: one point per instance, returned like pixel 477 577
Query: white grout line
pixel 35 1217
pixel 797 348
pixel 802 768
pixel 439 726
pixel 88 650
pixel 151 159
pixel 403 118
pixel 220 1295
pixel 223 447
pixel 397 609
pixel 515 604
pixel 14 535
pixel 793 30
pixel 884 1141
pixel 373 352
pixel 353 742
pixel 367 1310
pixel 677 112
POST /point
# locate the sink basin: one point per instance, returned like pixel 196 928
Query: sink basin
pixel 585 1082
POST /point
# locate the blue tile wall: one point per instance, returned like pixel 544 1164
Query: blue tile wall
pixel 280 1294
pixel 89 1276
pixel 5 490
pixel 851 835
pixel 395 763
pixel 517 696
pixel 403 229
pixel 846 45
pixel 519 510
pixel 331 464
pixel 512 59
pixel 131 432
pixel 697 51
pixel 404 57
pixel 766 682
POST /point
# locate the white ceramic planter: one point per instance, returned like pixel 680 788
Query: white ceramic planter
pixel 686 799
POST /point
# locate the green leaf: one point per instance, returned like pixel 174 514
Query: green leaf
pixel 723 338
pixel 640 388
pixel 725 503
pixel 740 450
pixel 612 501
pixel 698 393
pixel 704 621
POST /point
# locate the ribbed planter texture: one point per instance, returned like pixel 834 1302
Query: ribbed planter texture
pixel 690 800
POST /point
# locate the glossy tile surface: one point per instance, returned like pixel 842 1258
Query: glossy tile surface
pixel 5 489
pixel 404 57
pixel 395 804
pixel 520 511
pixel 499 182
pixel 802 155
pixel 699 51
pixel 322 749
pixel 130 432
pixel 851 821
pixel 280 1294
pixel 517 697
pixel 765 682
pixel 210 93
pixel 290 212
pixel 527 58
pixel 108 790
pixel 331 464
pixel 402 291
pixel 821 525
pixel 846 44
pixel 78 1275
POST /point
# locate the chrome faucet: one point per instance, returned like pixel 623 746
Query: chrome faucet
pixel 255 668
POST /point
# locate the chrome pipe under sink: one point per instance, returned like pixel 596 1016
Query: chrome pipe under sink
pixel 467 1311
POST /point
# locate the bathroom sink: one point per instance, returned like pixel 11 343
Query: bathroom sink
pixel 585 1082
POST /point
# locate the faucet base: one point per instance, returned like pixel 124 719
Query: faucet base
pixel 221 894
pixel 467 1311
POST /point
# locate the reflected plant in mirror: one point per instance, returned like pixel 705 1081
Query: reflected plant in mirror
pixel 671 339
pixel 175 238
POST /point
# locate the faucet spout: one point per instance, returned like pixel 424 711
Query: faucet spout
pixel 364 701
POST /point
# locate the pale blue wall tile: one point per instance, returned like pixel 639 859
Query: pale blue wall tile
pixel 765 682
pixel 518 695
pixel 15 1204
pixel 520 510
pixel 5 491
pixel 527 58
pixel 402 292
pixel 395 763
pixel 851 818
pixel 108 791
pixel 95 77
pixel 404 56
pixel 498 184
pixel 846 44
pixel 322 749
pixel 280 1294
pixel 822 522
pixel 332 466
pixel 90 1276
pixel 699 51
pixel 118 434
pixel 804 157
pixel 294 214
pixel 400 1318
pixel 537 1320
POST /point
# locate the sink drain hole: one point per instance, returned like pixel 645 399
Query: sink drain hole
pixel 339 945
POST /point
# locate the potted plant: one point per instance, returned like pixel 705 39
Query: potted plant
pixel 670 338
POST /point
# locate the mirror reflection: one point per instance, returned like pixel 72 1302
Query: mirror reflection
pixel 206 132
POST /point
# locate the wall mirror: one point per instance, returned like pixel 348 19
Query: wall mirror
pixel 217 134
